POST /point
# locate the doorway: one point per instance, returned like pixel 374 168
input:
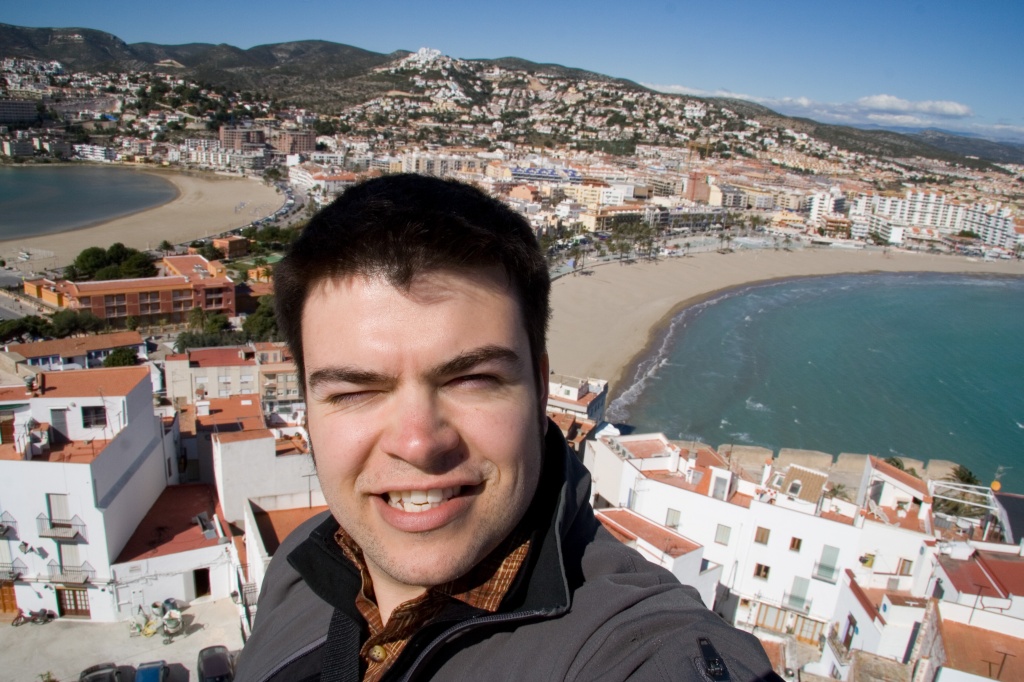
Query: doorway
pixel 201 576
pixel 73 601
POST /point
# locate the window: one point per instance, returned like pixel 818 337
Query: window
pixel 828 568
pixel 720 487
pixel 906 567
pixel 794 544
pixel 94 416
pixel 794 488
pixel 761 536
pixel 761 571
pixel 672 518
pixel 722 534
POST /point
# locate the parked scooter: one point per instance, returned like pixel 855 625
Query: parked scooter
pixel 41 616
pixel 19 619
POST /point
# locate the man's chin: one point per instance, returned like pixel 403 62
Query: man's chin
pixel 424 569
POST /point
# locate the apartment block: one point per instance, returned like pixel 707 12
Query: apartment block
pixel 192 282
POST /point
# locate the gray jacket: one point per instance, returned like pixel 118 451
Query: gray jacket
pixel 584 607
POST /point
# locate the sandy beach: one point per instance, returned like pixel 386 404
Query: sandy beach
pixel 602 323
pixel 206 204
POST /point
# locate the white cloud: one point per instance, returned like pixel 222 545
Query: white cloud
pixel 881 110
pixel 891 104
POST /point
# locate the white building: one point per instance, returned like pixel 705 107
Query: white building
pixel 81 461
pixel 777 530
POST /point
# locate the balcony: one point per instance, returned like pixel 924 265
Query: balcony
pixel 823 572
pixel 842 654
pixel 12 571
pixel 8 527
pixel 71 575
pixel 61 529
pixel 796 602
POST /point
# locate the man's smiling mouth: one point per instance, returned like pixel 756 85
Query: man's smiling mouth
pixel 415 501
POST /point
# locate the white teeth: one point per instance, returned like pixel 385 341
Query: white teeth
pixel 421 500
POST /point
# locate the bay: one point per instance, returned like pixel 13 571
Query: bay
pixel 41 200
pixel 924 366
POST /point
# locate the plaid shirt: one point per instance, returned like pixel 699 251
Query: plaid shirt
pixel 483 587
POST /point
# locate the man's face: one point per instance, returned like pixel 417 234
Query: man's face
pixel 426 418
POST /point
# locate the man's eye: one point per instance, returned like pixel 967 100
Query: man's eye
pixel 348 398
pixel 474 380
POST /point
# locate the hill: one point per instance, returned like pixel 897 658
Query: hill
pixel 328 77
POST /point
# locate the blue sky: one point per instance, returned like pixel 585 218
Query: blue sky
pixel 956 65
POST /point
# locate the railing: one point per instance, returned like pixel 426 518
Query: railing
pixel 841 652
pixel 75 575
pixel 796 602
pixel 8 526
pixel 9 572
pixel 828 574
pixel 61 529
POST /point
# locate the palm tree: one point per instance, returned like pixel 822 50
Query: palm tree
pixel 838 491
pixel 961 475
pixel 259 263
pixel 197 318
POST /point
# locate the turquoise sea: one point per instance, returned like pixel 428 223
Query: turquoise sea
pixel 41 200
pixel 920 365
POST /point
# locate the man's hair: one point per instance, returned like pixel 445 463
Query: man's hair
pixel 400 226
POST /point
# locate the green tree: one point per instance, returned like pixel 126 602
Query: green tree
pixel 137 265
pixel 89 261
pixel 262 324
pixel 111 271
pixel 166 246
pixel 121 357
pixel 197 318
pixel 67 323
pixel 31 326
pixel 215 323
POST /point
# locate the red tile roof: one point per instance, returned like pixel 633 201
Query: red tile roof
pixel 230 356
pixel 112 381
pixel 275 526
pixel 168 528
pixel 984 653
pixel 629 523
pixel 78 345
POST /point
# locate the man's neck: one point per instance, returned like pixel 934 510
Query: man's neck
pixel 390 594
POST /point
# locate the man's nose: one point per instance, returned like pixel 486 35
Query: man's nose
pixel 419 432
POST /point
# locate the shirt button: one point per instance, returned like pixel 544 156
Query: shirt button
pixel 378 654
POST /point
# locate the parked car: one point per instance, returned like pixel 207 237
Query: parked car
pixel 103 672
pixel 215 665
pixel 154 671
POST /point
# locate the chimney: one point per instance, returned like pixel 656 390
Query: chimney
pixel 42 382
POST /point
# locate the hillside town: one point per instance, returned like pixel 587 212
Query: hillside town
pixel 178 475
pixel 567 152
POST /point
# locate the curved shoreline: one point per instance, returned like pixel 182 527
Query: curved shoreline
pixel 101 221
pixel 607 324
pixel 205 204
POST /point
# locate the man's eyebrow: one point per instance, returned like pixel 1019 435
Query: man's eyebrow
pixel 456 365
pixel 346 374
pixel 477 356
